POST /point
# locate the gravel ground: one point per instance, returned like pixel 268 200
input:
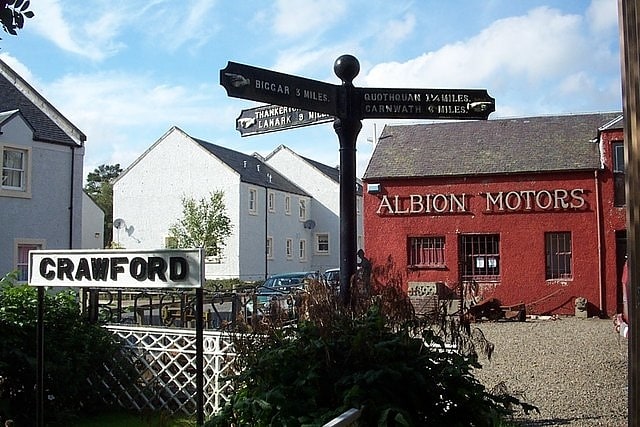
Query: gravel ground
pixel 574 370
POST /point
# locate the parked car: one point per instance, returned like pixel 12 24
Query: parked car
pixel 280 286
pixel 332 277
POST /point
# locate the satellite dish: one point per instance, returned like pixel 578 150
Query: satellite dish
pixel 310 224
pixel 119 224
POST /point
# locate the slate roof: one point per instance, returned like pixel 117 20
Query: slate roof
pixel 502 146
pixel 251 169
pixel 45 128
pixel 331 172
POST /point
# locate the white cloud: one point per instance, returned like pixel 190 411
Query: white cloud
pixel 529 63
pixel 123 114
pixel 296 18
pixel 532 47
pixel 19 68
pixel 51 24
pixel 174 25
pixel 602 15
pixel 92 30
pixel 397 30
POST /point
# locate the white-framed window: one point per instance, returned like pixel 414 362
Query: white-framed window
pixel 358 205
pixel 21 255
pixel 302 249
pixel 289 248
pixel 302 209
pixel 269 247
pixel 322 243
pixel 253 201
pixel 287 204
pixel 16 166
pixel 272 201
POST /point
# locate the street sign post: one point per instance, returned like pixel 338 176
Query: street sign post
pixel 273 118
pixel 349 105
pixel 460 104
pixel 258 84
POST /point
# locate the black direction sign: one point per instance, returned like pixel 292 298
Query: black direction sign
pixel 459 104
pixel 272 118
pixel 258 84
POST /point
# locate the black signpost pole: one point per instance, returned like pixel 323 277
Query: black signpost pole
pixel 350 105
pixel 40 361
pixel 347 127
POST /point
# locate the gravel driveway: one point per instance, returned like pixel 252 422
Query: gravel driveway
pixel 574 370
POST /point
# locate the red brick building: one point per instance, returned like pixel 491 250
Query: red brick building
pixel 527 210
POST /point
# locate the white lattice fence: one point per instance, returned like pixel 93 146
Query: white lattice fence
pixel 165 360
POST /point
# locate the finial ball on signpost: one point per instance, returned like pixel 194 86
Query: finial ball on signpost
pixel 346 68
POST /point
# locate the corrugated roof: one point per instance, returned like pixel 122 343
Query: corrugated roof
pixel 251 169
pixel 517 145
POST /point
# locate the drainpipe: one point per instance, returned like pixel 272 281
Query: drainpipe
pixel 73 172
pixel 266 233
pixel 600 240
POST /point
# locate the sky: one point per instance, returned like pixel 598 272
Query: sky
pixel 126 71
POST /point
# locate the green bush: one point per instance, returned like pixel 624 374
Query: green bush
pixel 374 358
pixel 74 351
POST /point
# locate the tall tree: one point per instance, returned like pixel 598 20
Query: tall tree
pixel 204 223
pixel 12 15
pixel 100 188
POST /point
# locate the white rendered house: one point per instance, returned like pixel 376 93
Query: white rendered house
pixel 275 222
pixel 322 182
pixel 41 175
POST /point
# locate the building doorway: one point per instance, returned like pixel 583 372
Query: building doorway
pixel 621 258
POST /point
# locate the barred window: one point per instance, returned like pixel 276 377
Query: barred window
pixel 558 255
pixel 481 256
pixel 426 251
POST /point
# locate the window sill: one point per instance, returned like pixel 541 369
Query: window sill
pixel 427 267
pixel 15 193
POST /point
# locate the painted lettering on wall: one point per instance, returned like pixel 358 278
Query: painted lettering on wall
pixel 420 204
pixel 531 200
pixel 498 202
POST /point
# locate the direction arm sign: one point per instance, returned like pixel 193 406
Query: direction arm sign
pixel 272 118
pixel 460 104
pixel 259 84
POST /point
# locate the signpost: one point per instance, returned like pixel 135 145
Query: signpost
pixel 349 105
pixel 273 118
pixel 425 104
pixel 258 84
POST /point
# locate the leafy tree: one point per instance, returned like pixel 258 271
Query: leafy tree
pixel 100 188
pixel 12 15
pixel 204 224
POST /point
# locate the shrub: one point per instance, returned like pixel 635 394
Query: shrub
pixel 375 356
pixel 74 351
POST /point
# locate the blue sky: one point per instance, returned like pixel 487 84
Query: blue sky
pixel 126 71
